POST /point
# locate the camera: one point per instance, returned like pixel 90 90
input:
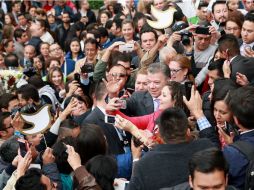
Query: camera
pixel 185 34
pixel 87 68
pixel 185 37
pixel 29 72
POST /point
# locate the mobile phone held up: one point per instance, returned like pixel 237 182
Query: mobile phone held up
pixel 186 89
pixel 110 119
pixel 23 146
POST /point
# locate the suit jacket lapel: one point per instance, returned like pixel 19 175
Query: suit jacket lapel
pixel 148 102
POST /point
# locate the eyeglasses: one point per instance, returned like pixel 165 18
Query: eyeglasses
pixel 121 75
pixel 6 128
pixel 56 49
pixel 174 71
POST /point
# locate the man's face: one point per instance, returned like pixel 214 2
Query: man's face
pixel 66 18
pixel 202 13
pixel 22 20
pixel 55 51
pixel 29 52
pixel 13 104
pixel 22 101
pixel 91 51
pixel 8 128
pixel 155 83
pixel 24 38
pixel 118 74
pixel 141 82
pixel 16 7
pixel 249 5
pixel 220 13
pixel 148 40
pixel 202 41
pixel 213 75
pixel 36 29
pixel 159 4
pixel 215 180
pixel 248 32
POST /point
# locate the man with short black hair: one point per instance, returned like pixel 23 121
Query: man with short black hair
pixel 220 13
pixel 8 102
pixel 166 165
pixel 208 170
pixel 6 128
pixel 229 49
pixel 241 103
pixel 21 38
pixel 247 33
pixel 28 94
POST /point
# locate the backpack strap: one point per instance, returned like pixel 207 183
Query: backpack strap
pixel 245 148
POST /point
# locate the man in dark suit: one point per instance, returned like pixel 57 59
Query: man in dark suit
pixel 230 50
pixel 144 103
pixel 115 138
pixel 167 164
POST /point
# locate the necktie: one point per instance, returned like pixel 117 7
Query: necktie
pixel 156 104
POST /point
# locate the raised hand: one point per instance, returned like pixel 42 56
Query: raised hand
pixel 73 158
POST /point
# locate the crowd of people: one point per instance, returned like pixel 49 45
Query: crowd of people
pixel 133 107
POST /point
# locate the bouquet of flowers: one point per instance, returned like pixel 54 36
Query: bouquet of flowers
pixel 9 79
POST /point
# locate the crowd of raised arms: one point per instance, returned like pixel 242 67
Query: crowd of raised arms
pixel 131 106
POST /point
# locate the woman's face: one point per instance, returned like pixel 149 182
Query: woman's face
pixel 166 100
pixel 7 19
pixel 75 47
pixel 222 113
pixel 233 28
pixel 80 108
pixel 44 49
pixel 104 18
pixel 57 78
pixel 178 74
pixel 233 5
pixel 51 19
pixel 37 63
pixel 128 32
pixel 34 139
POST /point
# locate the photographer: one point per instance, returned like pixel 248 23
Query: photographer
pixel 198 51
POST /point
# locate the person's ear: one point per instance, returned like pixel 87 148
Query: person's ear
pixel 3 133
pixel 30 101
pixel 4 110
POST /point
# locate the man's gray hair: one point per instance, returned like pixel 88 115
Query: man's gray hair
pixel 159 67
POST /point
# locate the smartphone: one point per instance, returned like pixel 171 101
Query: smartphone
pixel 122 102
pixel 110 119
pixel 23 146
pixel 187 88
pixel 77 77
pixel 202 30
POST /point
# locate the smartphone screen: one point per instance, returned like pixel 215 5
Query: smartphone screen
pixel 110 119
pixel 188 86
